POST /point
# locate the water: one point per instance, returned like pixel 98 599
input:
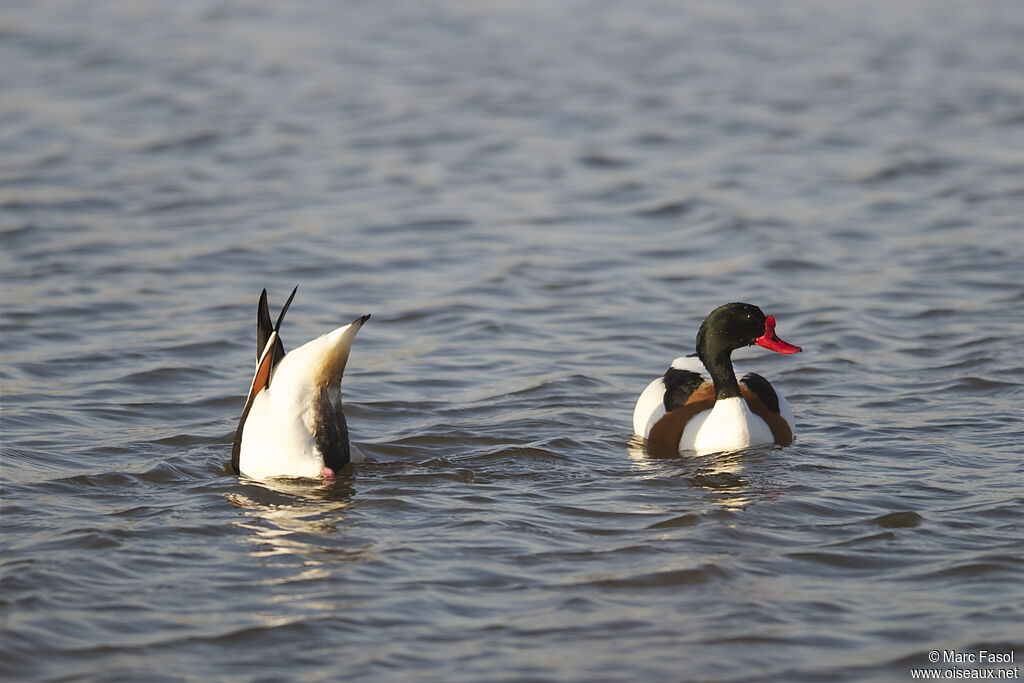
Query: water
pixel 538 202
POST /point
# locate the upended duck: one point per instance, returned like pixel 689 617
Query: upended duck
pixel 703 404
pixel 293 424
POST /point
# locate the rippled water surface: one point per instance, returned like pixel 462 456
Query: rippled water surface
pixel 538 202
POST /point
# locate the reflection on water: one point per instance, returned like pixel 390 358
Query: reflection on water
pixel 717 473
pixel 293 516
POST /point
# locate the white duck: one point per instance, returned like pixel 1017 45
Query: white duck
pixel 703 404
pixel 292 424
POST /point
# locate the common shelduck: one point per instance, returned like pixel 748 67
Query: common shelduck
pixel 703 404
pixel 292 424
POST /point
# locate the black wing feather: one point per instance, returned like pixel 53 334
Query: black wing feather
pixel 331 432
pixel 236 445
pixel 679 384
pixel 263 330
pixel 263 325
pixel 763 389
pixel 279 346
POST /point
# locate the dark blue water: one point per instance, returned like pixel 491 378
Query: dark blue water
pixel 538 203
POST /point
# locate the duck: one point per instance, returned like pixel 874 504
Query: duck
pixel 293 424
pixel 703 404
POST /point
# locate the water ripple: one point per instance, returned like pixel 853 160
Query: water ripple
pixel 538 203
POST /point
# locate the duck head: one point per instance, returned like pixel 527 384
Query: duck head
pixel 734 326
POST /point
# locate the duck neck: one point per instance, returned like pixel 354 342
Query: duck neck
pixel 719 366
